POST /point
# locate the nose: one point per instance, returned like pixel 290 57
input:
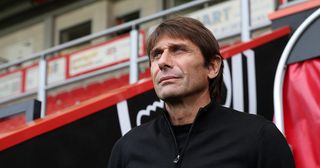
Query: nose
pixel 165 61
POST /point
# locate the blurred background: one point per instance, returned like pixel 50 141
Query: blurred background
pixel 65 61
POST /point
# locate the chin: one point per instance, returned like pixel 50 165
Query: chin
pixel 168 96
pixel 168 92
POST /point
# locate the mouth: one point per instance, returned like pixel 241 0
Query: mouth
pixel 167 78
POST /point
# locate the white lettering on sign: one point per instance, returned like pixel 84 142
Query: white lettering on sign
pixel 102 55
pixel 249 54
pixel 124 118
pixel 146 112
pixel 237 82
pixel 228 83
pixel 11 84
pixel 57 70
pixel 234 81
pixel 32 78
pixel 224 19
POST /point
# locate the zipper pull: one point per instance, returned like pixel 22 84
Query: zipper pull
pixel 176 160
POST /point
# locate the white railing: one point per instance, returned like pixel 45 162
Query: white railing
pixel 134 60
pixel 282 67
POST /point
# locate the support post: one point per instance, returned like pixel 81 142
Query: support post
pixel 134 40
pixel 245 20
pixel 246 36
pixel 42 84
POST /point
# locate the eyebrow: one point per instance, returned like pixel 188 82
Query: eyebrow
pixel 171 45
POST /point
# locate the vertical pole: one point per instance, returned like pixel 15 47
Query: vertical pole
pixel 237 82
pixel 245 20
pixel 42 84
pixel 251 81
pixel 246 36
pixel 134 37
pixel 124 118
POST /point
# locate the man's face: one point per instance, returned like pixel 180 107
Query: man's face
pixel 177 69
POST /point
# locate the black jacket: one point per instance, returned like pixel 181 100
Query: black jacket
pixel 219 137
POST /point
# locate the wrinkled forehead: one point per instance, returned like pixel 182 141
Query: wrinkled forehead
pixel 169 39
pixel 169 32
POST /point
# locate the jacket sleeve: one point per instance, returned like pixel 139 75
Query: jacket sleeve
pixel 273 149
pixel 116 159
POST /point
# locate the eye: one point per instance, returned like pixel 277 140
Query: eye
pixel 179 49
pixel 156 54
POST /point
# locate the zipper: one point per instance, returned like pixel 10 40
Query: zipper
pixel 176 160
pixel 179 156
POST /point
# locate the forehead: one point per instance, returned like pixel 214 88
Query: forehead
pixel 166 41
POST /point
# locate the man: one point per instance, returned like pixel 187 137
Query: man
pixel 194 131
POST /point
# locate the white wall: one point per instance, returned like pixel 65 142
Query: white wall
pixel 22 43
pixel 96 12
pixel 30 39
pixel 146 7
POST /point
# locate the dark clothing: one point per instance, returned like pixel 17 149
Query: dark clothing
pixel 219 137
pixel 181 133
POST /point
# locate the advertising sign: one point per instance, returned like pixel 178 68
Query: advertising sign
pixel 32 78
pixel 11 84
pixel 102 55
pixel 224 19
pixel 83 61
pixel 56 70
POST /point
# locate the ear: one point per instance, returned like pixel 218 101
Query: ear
pixel 214 67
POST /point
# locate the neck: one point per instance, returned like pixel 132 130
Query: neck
pixel 184 111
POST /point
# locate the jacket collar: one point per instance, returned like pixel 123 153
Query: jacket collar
pixel 203 118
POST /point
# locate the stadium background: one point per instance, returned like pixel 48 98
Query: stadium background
pixel 90 96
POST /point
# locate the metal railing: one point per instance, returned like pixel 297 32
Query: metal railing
pixel 282 67
pixel 133 64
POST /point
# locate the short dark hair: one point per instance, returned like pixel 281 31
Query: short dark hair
pixel 193 30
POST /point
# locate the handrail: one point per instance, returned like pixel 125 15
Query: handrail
pixel 74 79
pixel 107 31
pixel 282 67
pixel 42 87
